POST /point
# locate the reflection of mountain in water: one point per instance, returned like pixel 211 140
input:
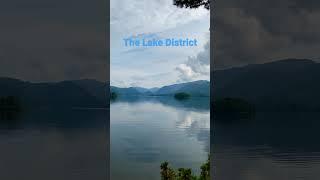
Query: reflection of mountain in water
pixel 192 116
pixel 146 131
pixel 38 142
pixel 53 118
pixel 282 143
pixel 195 120
pixel 282 132
pixel 196 103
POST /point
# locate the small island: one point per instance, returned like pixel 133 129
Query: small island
pixel 181 96
pixel 233 107
pixel 113 96
pixel 9 103
pixel 9 108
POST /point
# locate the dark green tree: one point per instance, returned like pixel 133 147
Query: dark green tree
pixel 192 3
pixel 185 174
pixel 167 173
pixel 181 96
pixel 113 96
pixel 205 170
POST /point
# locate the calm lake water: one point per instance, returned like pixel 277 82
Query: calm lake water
pixel 271 146
pixel 148 131
pixel 54 145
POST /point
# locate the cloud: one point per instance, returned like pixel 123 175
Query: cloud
pixel 186 72
pixel 53 40
pixel 145 16
pixel 53 52
pixel 151 80
pixel 155 19
pixel 196 67
pixel 263 31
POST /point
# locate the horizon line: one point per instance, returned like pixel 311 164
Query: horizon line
pixel 158 87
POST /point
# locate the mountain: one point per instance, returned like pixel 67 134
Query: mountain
pixel 94 87
pixel 125 91
pixel 153 90
pixel 141 90
pixel 10 86
pixel 195 88
pixel 80 93
pixel 285 85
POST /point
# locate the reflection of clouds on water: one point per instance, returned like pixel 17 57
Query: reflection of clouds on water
pixel 140 151
pixel 273 145
pixel 193 119
pixel 72 143
pixel 149 132
pixel 196 125
pixel 248 163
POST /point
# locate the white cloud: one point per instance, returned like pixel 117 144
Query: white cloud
pixel 154 19
pixel 196 67
pixel 186 72
pixel 146 16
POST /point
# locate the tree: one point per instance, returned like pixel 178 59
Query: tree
pixel 205 170
pixel 181 96
pixel 185 174
pixel 113 96
pixel 192 3
pixel 167 173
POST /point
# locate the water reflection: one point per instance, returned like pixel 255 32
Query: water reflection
pixel 270 146
pixel 196 125
pixel 53 144
pixel 9 119
pixel 197 103
pixel 148 131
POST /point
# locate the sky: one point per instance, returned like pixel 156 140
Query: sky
pixel 157 66
pixel 53 40
pixel 260 31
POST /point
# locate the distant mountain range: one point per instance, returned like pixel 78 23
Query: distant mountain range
pixel 84 93
pixel 195 88
pixel 285 85
pixel 78 93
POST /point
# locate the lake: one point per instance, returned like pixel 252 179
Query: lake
pixel 146 131
pixel 72 144
pixel 54 144
pixel 277 146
